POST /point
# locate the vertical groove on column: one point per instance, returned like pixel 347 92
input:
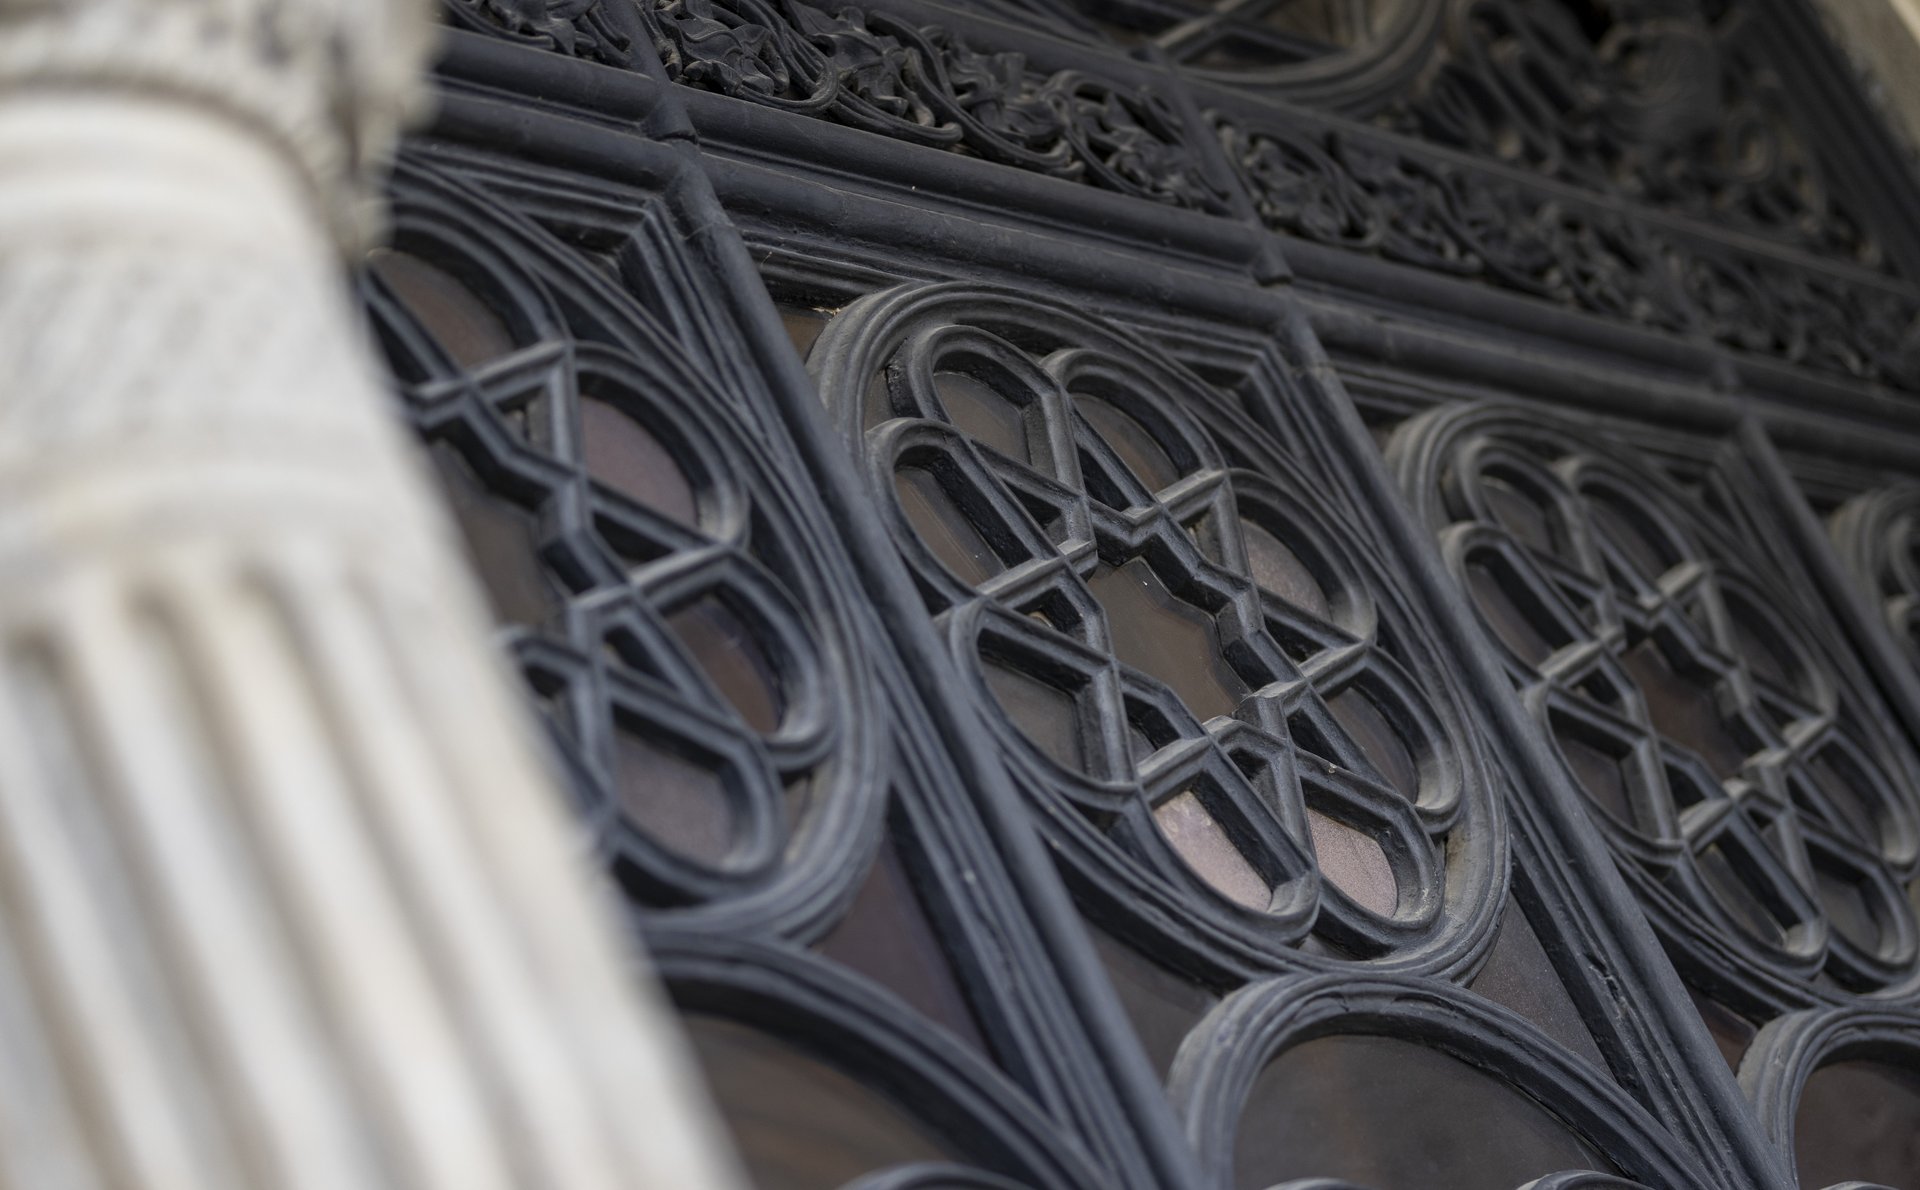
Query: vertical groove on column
pixel 287 900
pixel 97 984
pixel 176 798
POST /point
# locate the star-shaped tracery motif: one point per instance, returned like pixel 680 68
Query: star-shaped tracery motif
pixel 628 545
pixel 1179 645
pixel 1716 746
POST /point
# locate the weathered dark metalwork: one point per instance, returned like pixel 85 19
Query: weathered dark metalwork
pixel 928 460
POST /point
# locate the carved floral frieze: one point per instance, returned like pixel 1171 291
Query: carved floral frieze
pixel 1346 190
pixel 1663 109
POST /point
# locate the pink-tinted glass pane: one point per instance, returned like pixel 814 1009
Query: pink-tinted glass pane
pixel 1355 863
pixel 1684 710
pixel 1130 440
pixel 1646 554
pixel 456 317
pixel 1848 808
pixel 621 454
pixel 1201 841
pixel 1162 1005
pixel 982 413
pixel 1519 974
pixel 1600 774
pixel 803 326
pixel 1519 513
pixel 1733 892
pixel 1509 621
pixel 1847 908
pixel 888 937
pixel 1044 714
pixel 500 542
pixel 1378 739
pixel 1731 1032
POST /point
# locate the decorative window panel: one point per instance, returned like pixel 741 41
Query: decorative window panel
pixel 1168 595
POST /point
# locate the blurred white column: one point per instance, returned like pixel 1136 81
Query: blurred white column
pixel 286 897
pixel 1883 36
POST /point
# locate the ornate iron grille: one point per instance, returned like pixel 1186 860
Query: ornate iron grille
pixel 1210 596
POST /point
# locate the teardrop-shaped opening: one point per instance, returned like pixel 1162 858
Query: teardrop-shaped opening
pixel 621 453
pixel 676 800
pixel 447 308
pixel 739 668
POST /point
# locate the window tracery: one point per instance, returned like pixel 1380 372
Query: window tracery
pixel 1122 582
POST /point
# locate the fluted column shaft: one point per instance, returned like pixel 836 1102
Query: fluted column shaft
pixel 286 899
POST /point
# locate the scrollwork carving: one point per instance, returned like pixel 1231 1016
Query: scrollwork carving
pixel 1658 104
pixel 577 27
pixel 1336 187
pixel 879 73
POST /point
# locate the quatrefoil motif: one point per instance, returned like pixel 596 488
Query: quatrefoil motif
pixel 659 596
pixel 1182 652
pixel 1719 743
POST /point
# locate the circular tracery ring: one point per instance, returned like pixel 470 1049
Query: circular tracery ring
pixel 1723 742
pixel 694 659
pixel 1184 659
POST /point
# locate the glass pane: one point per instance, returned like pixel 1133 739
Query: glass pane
pixel 1736 895
pixel 803 326
pixel 1204 845
pixel 1519 513
pixel 1506 617
pixel 943 527
pixel 1046 715
pixel 1279 570
pixel 720 642
pixel 1684 709
pixel 1131 441
pixel 1859 1121
pixel 982 413
pixel 449 311
pixel 499 537
pixel 888 937
pixel 1644 552
pixel 1166 636
pixel 1354 863
pixel 1162 1005
pixel 1856 816
pixel 1519 975
pixel 1599 774
pixel 799 1123
pixel 1757 647
pixel 1393 1115
pixel 1732 1033
pixel 677 801
pixel 1847 908
pixel 622 455
pixel 1378 740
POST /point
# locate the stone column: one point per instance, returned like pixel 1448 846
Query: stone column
pixel 286 897
pixel 1883 37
